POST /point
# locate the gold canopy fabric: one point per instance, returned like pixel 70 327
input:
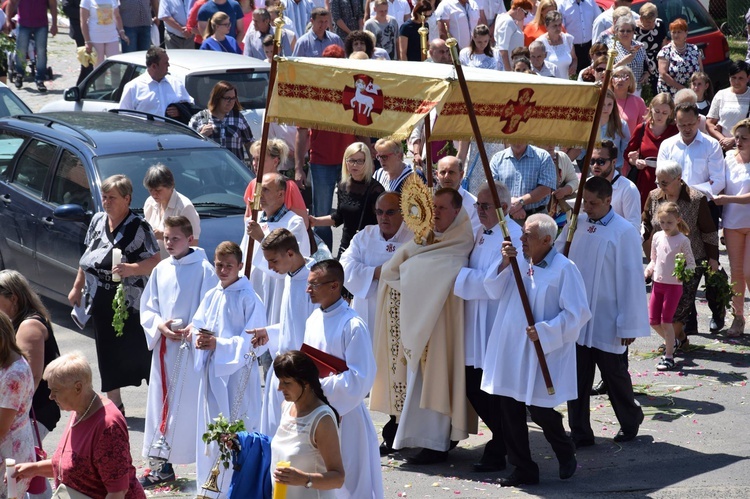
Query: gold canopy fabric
pixel 371 98
pixel 376 98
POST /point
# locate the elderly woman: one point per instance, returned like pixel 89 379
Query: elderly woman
pixel 631 53
pixel 93 456
pixel 359 41
pixel 595 72
pixel 123 360
pixel 559 45
pixel 223 122
pixel 16 390
pixel 643 147
pixel 356 195
pixel 652 33
pixel 736 220
pixel 631 107
pixel 166 202
pixel 730 105
pixel 704 238
pixel 678 60
pixel 34 337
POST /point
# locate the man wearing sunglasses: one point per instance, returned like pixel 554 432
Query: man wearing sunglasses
pixel 626 201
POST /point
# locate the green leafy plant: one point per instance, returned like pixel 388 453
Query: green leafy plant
pixel 121 310
pixel 448 149
pixel 720 282
pixel 221 431
pixel 681 271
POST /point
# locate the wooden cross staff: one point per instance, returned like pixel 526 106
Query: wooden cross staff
pixel 424 45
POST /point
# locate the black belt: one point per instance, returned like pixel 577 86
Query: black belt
pixel 534 211
pixel 107 285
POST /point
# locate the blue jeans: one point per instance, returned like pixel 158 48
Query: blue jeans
pixel 22 46
pixel 324 180
pixel 140 39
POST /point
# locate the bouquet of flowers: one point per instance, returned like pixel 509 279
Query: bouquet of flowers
pixel 121 310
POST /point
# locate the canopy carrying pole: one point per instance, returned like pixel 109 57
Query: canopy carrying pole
pixel 452 44
pixel 279 25
pixel 424 45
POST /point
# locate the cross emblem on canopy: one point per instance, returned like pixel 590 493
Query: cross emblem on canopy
pixel 517 111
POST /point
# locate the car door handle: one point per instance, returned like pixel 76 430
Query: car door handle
pixel 5 198
pixel 48 221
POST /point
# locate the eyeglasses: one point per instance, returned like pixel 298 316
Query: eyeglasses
pixel 600 70
pixel 621 77
pixel 483 206
pixel 229 99
pixel 352 161
pixel 600 161
pixel 316 285
pixel 601 52
pixel 380 213
pixel 626 31
pixel 225 24
pixel 525 12
pixel 382 157
pixel 665 183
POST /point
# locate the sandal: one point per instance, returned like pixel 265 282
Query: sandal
pixel 662 348
pixel 737 328
pixel 666 364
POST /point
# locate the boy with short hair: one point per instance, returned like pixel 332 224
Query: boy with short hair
pixel 172 295
pixel 281 251
pixel 229 382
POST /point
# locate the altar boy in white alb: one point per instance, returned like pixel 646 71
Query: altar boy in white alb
pixel 558 302
pixel 335 329
pixel 281 251
pixel 607 251
pixel 480 312
pixel 229 382
pixel 269 284
pixel 173 292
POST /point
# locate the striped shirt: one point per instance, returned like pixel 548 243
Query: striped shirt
pixel 396 184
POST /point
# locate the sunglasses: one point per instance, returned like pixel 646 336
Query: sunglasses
pixel 599 161
pixel 600 70
pixel 389 213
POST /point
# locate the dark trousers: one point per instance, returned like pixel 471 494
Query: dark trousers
pixel 619 388
pixel 516 434
pixel 582 53
pixel 77 35
pixel 486 407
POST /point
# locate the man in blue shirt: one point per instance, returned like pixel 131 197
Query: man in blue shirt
pixel 315 41
pixel 229 7
pixel 174 14
pixel 530 175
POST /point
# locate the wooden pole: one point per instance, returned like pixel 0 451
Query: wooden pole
pixel 589 150
pixel 424 44
pixel 279 25
pixel 452 44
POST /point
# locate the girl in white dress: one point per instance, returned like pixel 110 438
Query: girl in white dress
pixel 307 440
pixel 480 54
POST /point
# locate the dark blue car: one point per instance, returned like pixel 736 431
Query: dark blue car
pixel 51 168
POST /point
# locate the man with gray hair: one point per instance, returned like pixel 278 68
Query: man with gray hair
pixel 450 172
pixel 262 26
pixel 480 312
pixel 538 56
pixel 557 296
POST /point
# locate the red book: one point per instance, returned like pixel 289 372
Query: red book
pixel 327 364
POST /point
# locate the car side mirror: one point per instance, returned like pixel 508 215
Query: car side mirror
pixel 71 213
pixel 72 94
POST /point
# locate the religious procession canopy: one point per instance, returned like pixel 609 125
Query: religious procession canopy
pixel 377 98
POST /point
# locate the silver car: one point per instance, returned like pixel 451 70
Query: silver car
pixel 199 70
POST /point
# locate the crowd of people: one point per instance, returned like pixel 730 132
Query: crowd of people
pixel 433 350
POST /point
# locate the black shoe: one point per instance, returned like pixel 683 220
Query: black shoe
pixel 515 479
pixel 428 456
pixel 489 466
pixel 716 324
pixel 599 389
pixel 625 436
pixel 155 478
pixel 41 88
pixel 568 468
pixel 453 445
pixel 584 442
pixel 18 80
pixel 386 449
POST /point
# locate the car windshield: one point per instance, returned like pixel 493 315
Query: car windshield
pixel 697 18
pixel 212 178
pixel 10 104
pixel 251 87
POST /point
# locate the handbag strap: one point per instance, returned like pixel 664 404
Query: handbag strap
pixel 36 428
pixel 364 205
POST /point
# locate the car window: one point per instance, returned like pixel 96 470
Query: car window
pixel 251 87
pixel 9 146
pixel 33 166
pixel 106 82
pixel 70 185
pixel 689 10
pixel 10 104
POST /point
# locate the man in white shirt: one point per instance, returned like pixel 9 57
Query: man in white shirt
pixel 539 63
pixel 607 251
pixel 155 91
pixel 459 17
pixel 626 200
pixel 578 18
pixel 450 172
pixel 479 316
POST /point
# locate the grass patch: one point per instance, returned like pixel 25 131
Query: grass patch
pixel 737 48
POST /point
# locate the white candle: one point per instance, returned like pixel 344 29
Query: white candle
pixel 176 324
pixel 10 465
pixel 116 260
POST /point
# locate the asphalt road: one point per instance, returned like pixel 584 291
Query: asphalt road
pixel 693 443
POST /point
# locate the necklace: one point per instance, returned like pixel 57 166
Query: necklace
pixel 85 413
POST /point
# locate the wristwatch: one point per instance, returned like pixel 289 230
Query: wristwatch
pixel 308 485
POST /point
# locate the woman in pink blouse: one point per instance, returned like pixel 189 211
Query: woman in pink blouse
pixel 96 437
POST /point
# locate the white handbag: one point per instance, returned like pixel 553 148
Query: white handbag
pixel 64 492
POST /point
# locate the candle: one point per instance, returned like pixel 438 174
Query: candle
pixel 279 489
pixel 176 324
pixel 116 260
pixel 10 466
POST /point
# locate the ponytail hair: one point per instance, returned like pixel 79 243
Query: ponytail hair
pixel 299 367
pixel 674 210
